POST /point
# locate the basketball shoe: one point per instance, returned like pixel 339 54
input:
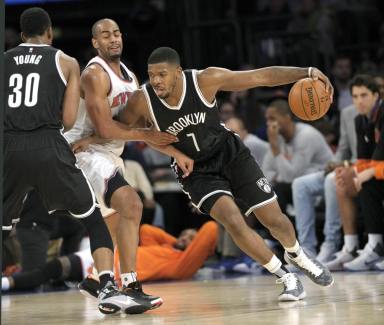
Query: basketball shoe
pixel 89 287
pixel 312 268
pixel 135 291
pixel 327 251
pixel 341 257
pixel 111 301
pixel 293 289
pixel 366 259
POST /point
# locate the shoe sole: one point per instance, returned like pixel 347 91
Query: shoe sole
pixel 288 297
pixel 108 309
pixel 156 303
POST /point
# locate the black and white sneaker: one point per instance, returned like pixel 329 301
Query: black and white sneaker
pixel 312 268
pixel 293 289
pixel 89 287
pixel 135 291
pixel 111 301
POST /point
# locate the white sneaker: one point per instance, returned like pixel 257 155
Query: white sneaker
pixel 312 268
pixel 366 259
pixel 327 251
pixel 379 266
pixel 293 289
pixel 341 257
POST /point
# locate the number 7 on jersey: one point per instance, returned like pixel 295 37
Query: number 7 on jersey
pixel 192 135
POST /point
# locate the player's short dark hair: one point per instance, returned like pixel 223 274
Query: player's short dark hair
pixel 281 106
pixel 164 55
pixel 364 80
pixel 34 22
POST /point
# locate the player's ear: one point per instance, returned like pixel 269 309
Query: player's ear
pixel 50 34
pixel 179 71
pixel 23 38
pixel 95 44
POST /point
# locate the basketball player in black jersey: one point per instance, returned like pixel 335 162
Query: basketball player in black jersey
pixel 41 99
pixel 226 182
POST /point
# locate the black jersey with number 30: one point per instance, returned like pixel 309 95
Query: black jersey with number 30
pixel 194 121
pixel 34 88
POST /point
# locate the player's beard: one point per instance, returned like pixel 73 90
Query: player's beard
pixel 168 93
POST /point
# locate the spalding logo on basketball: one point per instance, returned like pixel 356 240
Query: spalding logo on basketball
pixel 308 99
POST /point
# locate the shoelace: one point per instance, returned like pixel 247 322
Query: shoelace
pixel 289 280
pixel 308 264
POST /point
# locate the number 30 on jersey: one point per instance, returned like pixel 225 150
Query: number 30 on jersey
pixel 28 88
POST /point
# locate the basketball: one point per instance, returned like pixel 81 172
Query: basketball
pixel 308 99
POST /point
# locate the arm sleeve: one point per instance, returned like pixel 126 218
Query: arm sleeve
pixel 202 246
pixel 150 235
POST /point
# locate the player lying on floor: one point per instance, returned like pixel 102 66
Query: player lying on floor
pixel 160 257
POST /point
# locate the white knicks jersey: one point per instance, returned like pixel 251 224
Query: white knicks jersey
pixel 118 96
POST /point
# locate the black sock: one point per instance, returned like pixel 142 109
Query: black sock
pixel 105 279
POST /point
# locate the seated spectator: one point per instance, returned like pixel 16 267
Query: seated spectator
pixel 226 110
pixel 305 190
pixel 364 180
pixel 257 147
pixel 160 256
pixel 295 149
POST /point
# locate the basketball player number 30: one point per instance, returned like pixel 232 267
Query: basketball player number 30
pixel 192 135
pixel 31 89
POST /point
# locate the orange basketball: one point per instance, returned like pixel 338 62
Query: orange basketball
pixel 308 99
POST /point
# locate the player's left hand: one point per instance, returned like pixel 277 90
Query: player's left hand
pixel 316 74
pixel 81 145
pixel 185 164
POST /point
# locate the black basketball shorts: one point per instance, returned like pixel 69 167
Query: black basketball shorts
pixel 232 171
pixel 43 160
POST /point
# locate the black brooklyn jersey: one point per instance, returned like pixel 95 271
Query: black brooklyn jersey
pixel 34 88
pixel 194 121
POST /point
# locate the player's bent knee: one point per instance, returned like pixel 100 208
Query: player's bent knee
pixel 99 236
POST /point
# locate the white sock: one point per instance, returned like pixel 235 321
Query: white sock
pixel 127 278
pixel 351 242
pixel 295 249
pixel 374 239
pixel 5 283
pixel 275 266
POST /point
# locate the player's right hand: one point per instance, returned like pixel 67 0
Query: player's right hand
pixel 158 138
pixel 185 164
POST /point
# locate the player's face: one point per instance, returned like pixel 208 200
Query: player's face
pixel 185 239
pixel 108 41
pixel 274 118
pixel 163 78
pixel 364 99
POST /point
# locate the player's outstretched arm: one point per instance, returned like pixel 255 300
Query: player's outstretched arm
pixel 95 86
pixel 71 71
pixel 212 80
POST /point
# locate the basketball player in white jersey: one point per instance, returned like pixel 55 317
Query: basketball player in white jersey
pixel 106 85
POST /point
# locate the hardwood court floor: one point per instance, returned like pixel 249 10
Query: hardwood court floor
pixel 354 299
